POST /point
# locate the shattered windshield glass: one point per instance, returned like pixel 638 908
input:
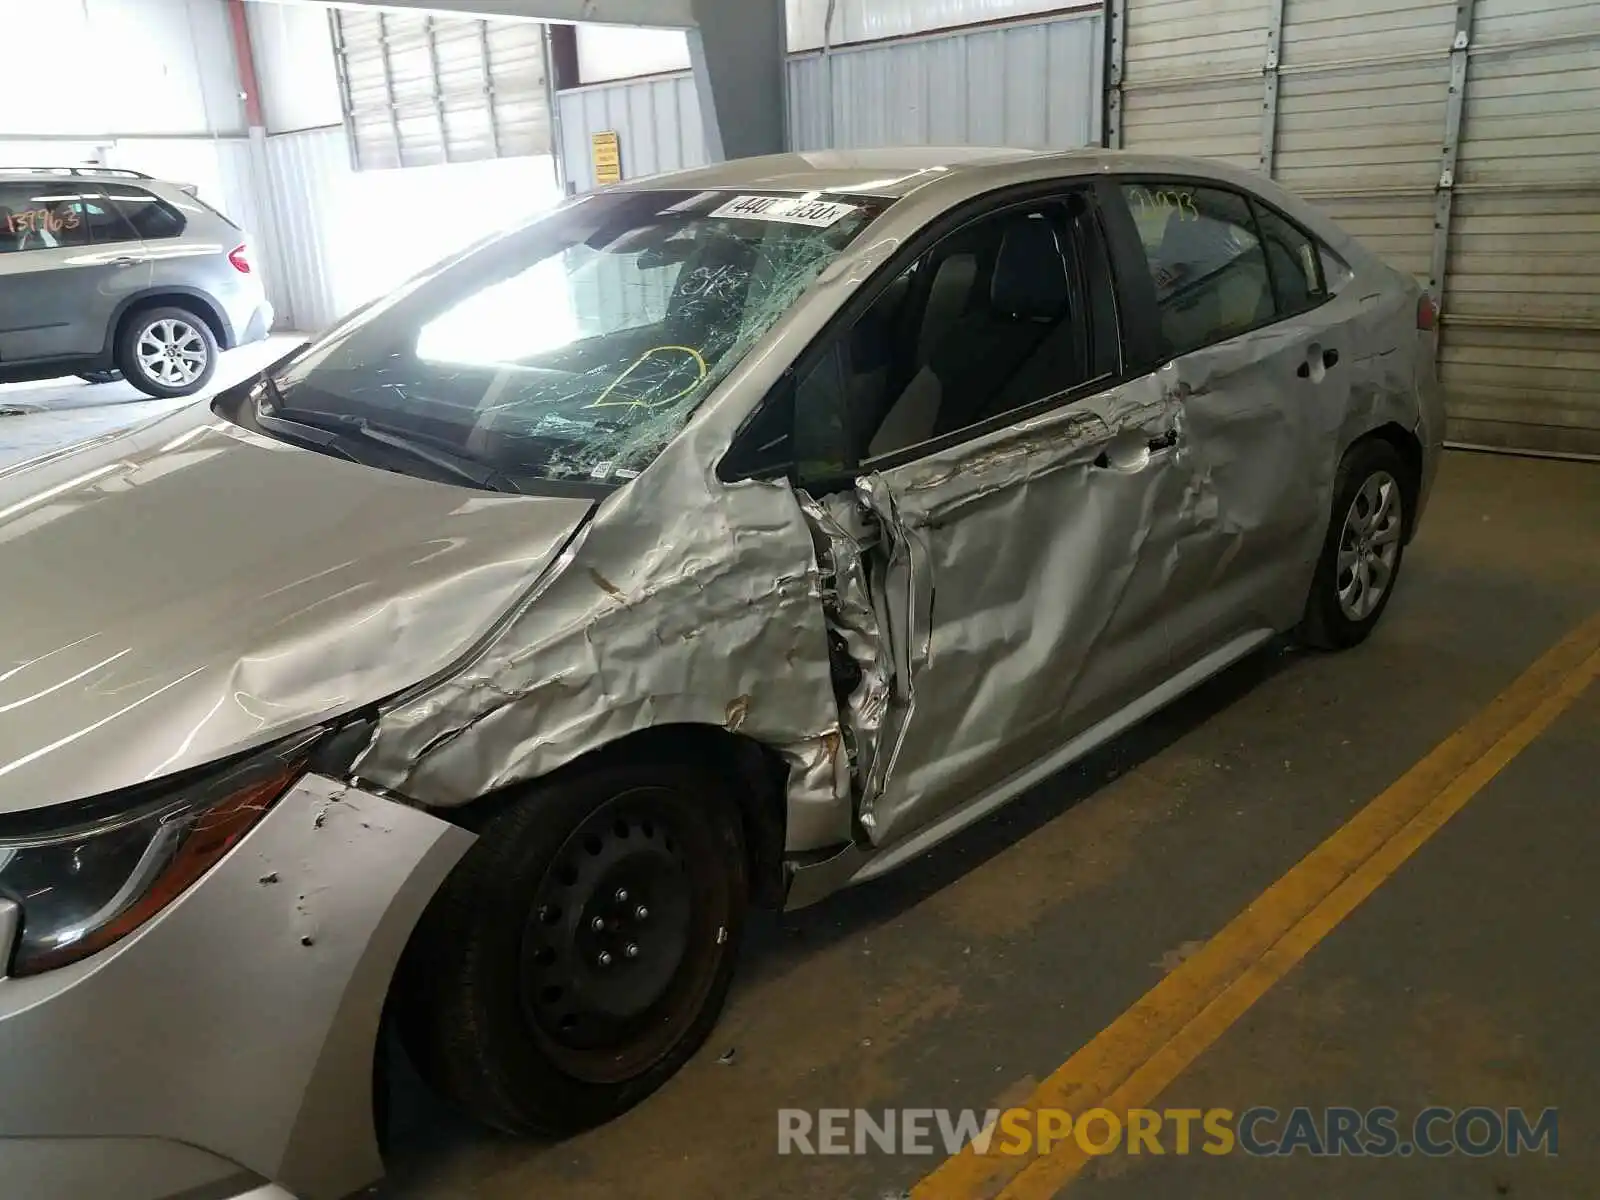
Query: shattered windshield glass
pixel 578 346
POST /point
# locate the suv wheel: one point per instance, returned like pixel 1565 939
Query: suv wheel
pixel 167 352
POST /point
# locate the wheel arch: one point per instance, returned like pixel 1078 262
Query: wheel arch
pixel 755 772
pixel 172 296
pixel 1409 447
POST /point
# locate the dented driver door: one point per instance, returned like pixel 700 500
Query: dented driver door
pixel 1020 584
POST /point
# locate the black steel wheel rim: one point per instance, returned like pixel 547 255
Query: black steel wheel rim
pixel 615 948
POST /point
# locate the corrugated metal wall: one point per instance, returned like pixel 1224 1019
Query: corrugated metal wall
pixel 116 68
pixel 304 174
pixel 657 122
pixel 1460 139
pixel 332 237
pixel 1034 83
pixel 1031 83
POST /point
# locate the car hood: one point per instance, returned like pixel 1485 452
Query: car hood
pixel 192 589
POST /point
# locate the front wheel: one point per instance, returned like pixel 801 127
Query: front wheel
pixel 582 950
pixel 1363 550
pixel 167 352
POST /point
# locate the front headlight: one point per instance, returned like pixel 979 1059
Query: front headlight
pixel 85 887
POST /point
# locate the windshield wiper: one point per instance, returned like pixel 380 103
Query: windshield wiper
pixel 339 432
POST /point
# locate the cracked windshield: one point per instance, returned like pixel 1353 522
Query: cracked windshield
pixel 573 349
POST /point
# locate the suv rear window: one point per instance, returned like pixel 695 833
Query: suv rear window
pixel 152 217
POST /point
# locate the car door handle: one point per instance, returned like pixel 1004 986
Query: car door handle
pixel 127 260
pixel 1127 453
pixel 1330 358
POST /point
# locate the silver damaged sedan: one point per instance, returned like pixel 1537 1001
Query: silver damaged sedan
pixel 716 540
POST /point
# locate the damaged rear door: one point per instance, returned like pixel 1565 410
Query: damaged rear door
pixel 1014 509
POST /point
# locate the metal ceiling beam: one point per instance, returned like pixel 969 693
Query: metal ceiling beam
pixel 738 53
pixel 671 14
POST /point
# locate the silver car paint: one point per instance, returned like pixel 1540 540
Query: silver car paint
pixel 261 1059
pixel 285 586
pixel 276 586
pixel 57 303
pixel 1235 507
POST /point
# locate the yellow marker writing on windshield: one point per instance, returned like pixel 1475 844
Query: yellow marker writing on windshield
pixel 604 400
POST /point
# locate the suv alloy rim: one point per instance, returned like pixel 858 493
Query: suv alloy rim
pixel 172 352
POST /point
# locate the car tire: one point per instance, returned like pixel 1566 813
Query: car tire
pixel 582 949
pixel 166 352
pixel 1364 548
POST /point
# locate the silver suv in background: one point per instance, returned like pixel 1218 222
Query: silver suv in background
pixel 104 269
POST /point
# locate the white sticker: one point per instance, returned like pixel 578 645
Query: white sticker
pixel 627 473
pixel 791 210
pixel 601 470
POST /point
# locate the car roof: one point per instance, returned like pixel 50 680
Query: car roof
pixel 99 174
pixel 897 172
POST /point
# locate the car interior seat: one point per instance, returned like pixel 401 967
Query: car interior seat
pixel 1213 280
pixel 984 359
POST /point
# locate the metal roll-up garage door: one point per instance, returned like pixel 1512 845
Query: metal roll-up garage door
pixel 1460 139
pixel 420 90
pixel 1520 351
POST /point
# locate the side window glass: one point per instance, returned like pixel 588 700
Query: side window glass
pixel 996 320
pixel 151 217
pixel 1292 255
pixel 1335 271
pixel 107 226
pixel 47 215
pixel 1208 265
pixel 1012 309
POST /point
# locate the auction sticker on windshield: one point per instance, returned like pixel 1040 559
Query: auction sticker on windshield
pixel 789 209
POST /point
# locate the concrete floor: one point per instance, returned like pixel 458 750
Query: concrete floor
pixel 37 417
pixel 1471 977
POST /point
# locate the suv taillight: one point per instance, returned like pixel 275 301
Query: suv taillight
pixel 240 258
pixel 1427 314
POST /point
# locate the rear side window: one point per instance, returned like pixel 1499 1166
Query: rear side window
pixel 47 215
pixel 1296 265
pixel 151 217
pixel 1206 260
pixel 106 224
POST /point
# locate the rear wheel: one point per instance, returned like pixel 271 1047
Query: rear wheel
pixel 166 352
pixel 582 950
pixel 1365 545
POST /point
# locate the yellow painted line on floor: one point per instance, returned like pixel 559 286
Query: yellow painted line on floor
pixel 1130 1062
